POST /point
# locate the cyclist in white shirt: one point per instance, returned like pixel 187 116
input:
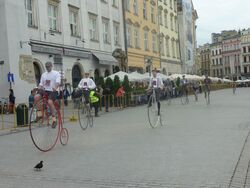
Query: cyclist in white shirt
pixel 157 84
pixel 49 83
pixel 184 85
pixel 86 84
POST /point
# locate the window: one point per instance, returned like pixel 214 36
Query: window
pixel 116 34
pixel 245 59
pixel 177 50
pixel 166 19
pixel 106 32
pixel 93 32
pixel 160 16
pixel 165 2
pixel 171 4
pixel 129 37
pixel 244 49
pixel 144 9
pixel 30 6
pixel 53 16
pixel 175 23
pixel 213 62
pixel 245 69
pixel 135 6
pixel 73 21
pixel 167 46
pixel 146 41
pixel 152 14
pixel 171 22
pixel 127 5
pixel 162 46
pixel 114 3
pixel 137 37
pixel 154 42
pixel 173 47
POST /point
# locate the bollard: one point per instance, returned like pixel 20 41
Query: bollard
pixel 2 117
pixel 73 117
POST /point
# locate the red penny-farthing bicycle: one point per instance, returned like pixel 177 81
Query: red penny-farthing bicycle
pixel 43 131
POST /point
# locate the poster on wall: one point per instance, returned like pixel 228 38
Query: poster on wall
pixel 188 24
pixel 26 69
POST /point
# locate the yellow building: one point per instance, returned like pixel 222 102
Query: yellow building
pixel 142 34
pixel 169 40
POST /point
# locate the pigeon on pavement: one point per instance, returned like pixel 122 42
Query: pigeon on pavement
pixel 39 166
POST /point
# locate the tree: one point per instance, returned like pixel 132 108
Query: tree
pixel 100 81
pixel 126 84
pixel 109 83
pixel 117 83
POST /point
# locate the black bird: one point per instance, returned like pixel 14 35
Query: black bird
pixel 38 166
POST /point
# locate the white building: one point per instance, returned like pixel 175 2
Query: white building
pixel 187 16
pixel 169 41
pixel 76 35
pixel 216 64
pixel 245 53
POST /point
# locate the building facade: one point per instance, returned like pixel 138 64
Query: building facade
pixel 169 39
pixel 75 35
pixel 245 54
pixel 142 31
pixel 205 59
pixel 231 57
pixel 216 60
pixel 187 33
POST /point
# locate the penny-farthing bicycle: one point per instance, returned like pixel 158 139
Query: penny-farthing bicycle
pixel 154 117
pixel 43 131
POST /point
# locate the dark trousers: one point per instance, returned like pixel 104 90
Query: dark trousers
pixel 95 105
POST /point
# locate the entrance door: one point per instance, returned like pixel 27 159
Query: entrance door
pixel 76 76
pixel 37 70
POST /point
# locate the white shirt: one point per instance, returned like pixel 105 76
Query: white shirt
pixel 50 79
pixel 156 82
pixel 87 83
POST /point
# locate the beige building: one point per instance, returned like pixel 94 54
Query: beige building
pixel 216 64
pixel 169 40
pixel 142 34
pixel 245 53
pixel 197 64
pixel 205 59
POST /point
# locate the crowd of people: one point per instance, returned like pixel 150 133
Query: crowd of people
pixel 50 84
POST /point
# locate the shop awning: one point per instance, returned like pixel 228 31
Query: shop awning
pixel 105 59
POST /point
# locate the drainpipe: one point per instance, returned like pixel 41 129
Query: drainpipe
pixel 125 36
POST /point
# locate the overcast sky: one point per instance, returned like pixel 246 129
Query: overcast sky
pixel 217 15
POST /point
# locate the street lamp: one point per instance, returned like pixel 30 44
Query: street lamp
pixel 149 64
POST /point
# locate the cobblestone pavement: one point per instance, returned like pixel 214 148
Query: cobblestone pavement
pixel 200 146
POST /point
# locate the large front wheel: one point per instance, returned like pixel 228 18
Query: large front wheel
pixel 44 133
pixel 83 116
pixel 153 116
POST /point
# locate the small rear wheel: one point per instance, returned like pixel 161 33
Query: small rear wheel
pixel 64 136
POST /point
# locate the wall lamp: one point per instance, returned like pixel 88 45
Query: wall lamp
pixel 49 33
pixel 80 40
pixel 23 42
